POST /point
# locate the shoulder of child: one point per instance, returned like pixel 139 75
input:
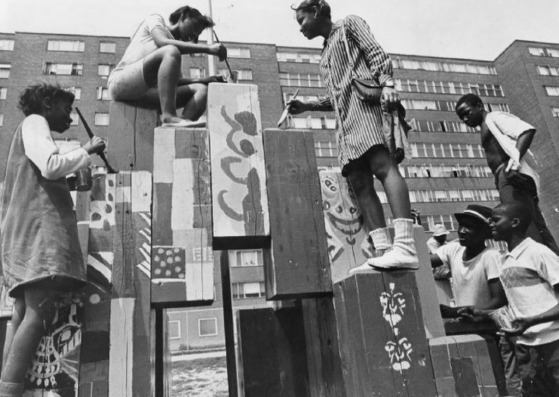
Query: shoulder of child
pixel 35 121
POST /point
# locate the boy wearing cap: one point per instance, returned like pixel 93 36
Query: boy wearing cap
pixel 439 238
pixel 506 140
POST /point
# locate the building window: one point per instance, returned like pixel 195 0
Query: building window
pixel 101 118
pixel 6 45
pixel 4 71
pixel 555 111
pixel 63 69
pixel 300 80
pixel 552 91
pixel 207 327
pixel 107 47
pixel 76 91
pixel 298 57
pixel 325 149
pixel 245 74
pixel 238 52
pixel 3 92
pixel 247 290
pixel 248 258
pixel 65 45
pixel 105 70
pixel 103 94
pixel 197 73
pixel 174 329
pixel 536 51
pixel 1 119
pixel 75 118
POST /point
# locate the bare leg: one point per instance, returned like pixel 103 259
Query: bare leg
pixel 162 69
pixel 193 98
pixel 361 182
pixel 17 316
pixel 39 313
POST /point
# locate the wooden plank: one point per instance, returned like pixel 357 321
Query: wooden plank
pixel 347 239
pixel 240 202
pixel 228 324
pixel 272 347
pixel 300 266
pixel 162 207
pixel 130 137
pixel 163 151
pixel 383 344
pixel 192 145
pixel 323 356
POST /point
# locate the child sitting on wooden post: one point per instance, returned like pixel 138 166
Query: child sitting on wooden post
pixel 350 49
pixel 41 255
pixel 149 72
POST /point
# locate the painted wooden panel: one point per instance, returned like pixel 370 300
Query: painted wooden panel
pixel 130 137
pixel 382 342
pixel 182 269
pixel 240 202
pixel 299 265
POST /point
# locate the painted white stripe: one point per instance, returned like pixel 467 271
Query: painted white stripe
pixel 100 267
pixel 163 155
pixel 182 215
pixel 141 191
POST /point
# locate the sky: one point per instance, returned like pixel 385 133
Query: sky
pixel 472 29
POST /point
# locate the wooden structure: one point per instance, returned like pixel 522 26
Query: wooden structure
pixel 149 238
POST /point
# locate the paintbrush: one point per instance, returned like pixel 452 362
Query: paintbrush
pixel 110 169
pixel 286 110
pixel 232 76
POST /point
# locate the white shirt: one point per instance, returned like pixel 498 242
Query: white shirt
pixel 528 275
pixel 470 279
pixel 43 152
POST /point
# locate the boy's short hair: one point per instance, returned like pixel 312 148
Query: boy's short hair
pixel 322 7
pixel 470 99
pixel 31 99
pixel 518 209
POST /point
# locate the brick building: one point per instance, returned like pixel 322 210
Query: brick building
pixel 448 170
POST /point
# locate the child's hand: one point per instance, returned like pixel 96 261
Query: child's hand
pixel 94 145
pixel 390 96
pixel 219 50
pixel 519 325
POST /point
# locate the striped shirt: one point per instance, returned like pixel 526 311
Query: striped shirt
pixel 360 124
pixel 529 273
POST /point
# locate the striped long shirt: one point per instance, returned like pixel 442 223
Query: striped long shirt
pixel 359 124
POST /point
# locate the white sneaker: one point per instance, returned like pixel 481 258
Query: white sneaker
pixel 395 259
pixel 365 267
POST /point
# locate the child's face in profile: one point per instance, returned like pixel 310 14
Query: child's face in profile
pixel 500 224
pixel 58 115
pixel 472 116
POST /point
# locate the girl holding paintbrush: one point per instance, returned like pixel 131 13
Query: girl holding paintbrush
pixel 149 72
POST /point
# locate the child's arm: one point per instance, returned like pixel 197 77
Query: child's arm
pixel 321 104
pixel 42 151
pixel 520 325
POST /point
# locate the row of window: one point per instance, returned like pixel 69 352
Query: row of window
pixel 431 196
pixel 552 91
pixel 433 150
pixel 440 126
pixel 297 57
pixel 447 106
pixel 300 80
pixel 312 123
pixel 449 87
pixel 548 70
pixel 544 52
pixel 206 327
pixel 451 67
pixel 247 290
pixel 445 171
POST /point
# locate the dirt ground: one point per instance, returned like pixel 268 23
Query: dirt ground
pixel 203 377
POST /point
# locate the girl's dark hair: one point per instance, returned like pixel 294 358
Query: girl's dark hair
pixel 31 99
pixel 321 6
pixel 190 12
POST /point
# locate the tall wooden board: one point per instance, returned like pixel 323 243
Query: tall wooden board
pixel 130 138
pixel 299 265
pixel 382 338
pixel 239 197
pixel 182 241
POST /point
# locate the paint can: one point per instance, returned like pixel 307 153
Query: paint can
pixel 83 179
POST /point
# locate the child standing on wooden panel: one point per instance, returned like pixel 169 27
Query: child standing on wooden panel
pixel 363 152
pixel 41 256
pixel 149 72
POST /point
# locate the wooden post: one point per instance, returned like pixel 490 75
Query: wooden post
pixel 299 266
pixel 382 337
pixel 323 354
pixel 182 254
pixel 130 140
pixel 272 352
pixel 229 324
pixel 240 202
